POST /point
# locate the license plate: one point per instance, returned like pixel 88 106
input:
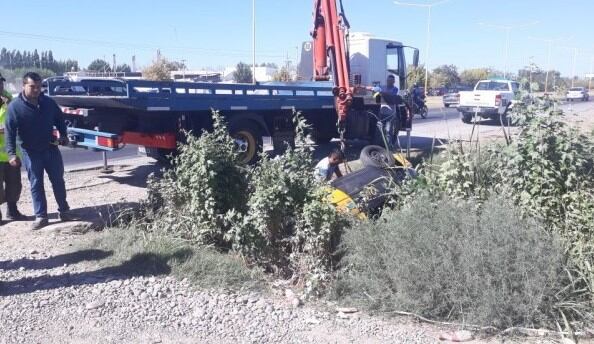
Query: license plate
pixel 142 150
pixel 477 109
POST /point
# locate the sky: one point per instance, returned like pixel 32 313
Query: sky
pixel 214 34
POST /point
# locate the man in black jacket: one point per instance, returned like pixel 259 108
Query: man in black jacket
pixel 32 117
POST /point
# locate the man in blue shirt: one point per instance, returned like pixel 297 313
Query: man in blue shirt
pixel 391 119
pixel 32 117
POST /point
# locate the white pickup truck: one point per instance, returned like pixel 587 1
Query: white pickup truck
pixel 490 99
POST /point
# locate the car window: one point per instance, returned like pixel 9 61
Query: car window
pixel 575 89
pixel 515 86
pixel 492 86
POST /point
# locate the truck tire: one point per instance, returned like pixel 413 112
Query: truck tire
pixel 466 117
pixel 376 156
pixel 163 156
pixel 248 136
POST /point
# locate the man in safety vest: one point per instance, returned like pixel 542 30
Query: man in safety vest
pixel 10 176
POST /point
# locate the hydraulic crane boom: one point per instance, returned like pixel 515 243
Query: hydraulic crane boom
pixel 330 44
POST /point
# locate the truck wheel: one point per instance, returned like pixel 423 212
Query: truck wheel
pixel 376 156
pixel 446 105
pixel 162 155
pixel 466 117
pixel 248 139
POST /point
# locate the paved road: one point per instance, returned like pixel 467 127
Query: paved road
pixel 81 158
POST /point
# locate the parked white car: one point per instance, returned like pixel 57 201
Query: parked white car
pixel 577 93
pixel 490 99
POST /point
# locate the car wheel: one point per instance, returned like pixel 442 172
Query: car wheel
pixel 466 117
pixel 248 138
pixel 446 105
pixel 376 156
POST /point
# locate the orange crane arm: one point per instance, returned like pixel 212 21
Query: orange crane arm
pixel 329 36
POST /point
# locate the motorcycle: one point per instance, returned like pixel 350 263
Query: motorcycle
pixel 419 109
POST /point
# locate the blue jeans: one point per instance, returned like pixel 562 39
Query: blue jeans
pixel 49 161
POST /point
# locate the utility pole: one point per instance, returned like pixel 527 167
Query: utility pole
pixel 591 75
pixel 549 42
pixel 573 63
pixel 114 65
pixel 428 46
pixel 134 63
pixel 183 69
pixel 254 41
pixel 508 29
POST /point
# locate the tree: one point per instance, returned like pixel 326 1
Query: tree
pixel 282 75
pixel 415 75
pixel 160 70
pixel 99 65
pixel 445 76
pixel 243 73
pixel 470 77
pixel 123 68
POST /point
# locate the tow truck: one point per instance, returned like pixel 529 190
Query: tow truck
pixel 107 114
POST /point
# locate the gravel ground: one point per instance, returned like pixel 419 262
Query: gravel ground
pixel 53 292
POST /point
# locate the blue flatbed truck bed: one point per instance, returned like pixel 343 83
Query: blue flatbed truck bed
pixel 103 113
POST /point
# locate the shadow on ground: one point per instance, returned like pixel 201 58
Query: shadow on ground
pixel 137 177
pixel 145 264
pixel 55 261
pixel 106 215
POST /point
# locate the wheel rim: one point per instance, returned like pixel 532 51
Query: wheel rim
pixel 378 157
pixel 246 145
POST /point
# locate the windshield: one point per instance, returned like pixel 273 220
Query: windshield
pixel 492 86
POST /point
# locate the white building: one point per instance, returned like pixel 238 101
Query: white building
pixel 263 74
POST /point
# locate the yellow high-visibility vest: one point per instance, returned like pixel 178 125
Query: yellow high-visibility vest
pixel 3 111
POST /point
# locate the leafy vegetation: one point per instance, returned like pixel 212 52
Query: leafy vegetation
pixel 16 59
pixel 545 171
pixel 243 73
pixel 444 259
pixel 274 214
pixel 161 69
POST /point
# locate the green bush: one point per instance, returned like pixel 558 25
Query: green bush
pixel 274 214
pixel 545 170
pixel 204 186
pixel 443 259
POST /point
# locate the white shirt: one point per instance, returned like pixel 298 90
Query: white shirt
pixel 324 170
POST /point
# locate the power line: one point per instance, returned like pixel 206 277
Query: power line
pixel 111 44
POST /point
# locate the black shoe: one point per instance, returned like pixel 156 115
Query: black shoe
pixel 67 216
pixel 39 223
pixel 16 216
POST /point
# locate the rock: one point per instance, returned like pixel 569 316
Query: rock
pixel 312 321
pixel 289 294
pixel 346 310
pixel 296 302
pixel 94 304
pixel 567 341
pixel 33 252
pixel 341 315
pixel 457 336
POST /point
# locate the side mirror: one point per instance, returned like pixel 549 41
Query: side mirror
pixel 416 58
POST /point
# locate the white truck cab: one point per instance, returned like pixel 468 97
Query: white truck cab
pixel 490 98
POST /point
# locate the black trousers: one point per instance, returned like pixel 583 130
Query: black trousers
pixel 10 183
